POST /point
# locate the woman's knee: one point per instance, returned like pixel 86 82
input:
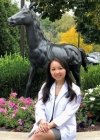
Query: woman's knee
pixel 43 136
pixel 33 137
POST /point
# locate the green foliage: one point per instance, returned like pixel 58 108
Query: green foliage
pixel 38 80
pixel 9 36
pixel 52 29
pixel 13 74
pixel 96 48
pixel 91 78
pixel 87 13
pixel 88 21
pixel 51 8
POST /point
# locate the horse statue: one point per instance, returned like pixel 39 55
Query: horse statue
pixel 41 50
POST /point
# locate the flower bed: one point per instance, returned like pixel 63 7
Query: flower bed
pixel 88 116
pixel 17 113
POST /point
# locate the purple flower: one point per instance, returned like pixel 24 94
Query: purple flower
pixel 20 122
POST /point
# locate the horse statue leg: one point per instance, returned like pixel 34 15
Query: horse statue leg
pixel 30 78
pixel 75 69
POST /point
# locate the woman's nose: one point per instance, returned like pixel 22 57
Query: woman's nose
pixel 57 71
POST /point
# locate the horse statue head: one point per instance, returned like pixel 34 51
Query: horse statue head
pixel 22 17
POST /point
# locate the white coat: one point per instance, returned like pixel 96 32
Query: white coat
pixel 64 111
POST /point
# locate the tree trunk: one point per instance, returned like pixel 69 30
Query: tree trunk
pixel 22 35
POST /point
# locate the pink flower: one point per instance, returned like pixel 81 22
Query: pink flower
pixel 25 101
pixel 21 99
pixel 23 107
pixel 13 95
pixel 2 110
pixel 13 105
pixel 2 101
pixel 28 101
pixel 14 113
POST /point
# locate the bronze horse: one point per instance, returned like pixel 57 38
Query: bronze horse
pixel 41 49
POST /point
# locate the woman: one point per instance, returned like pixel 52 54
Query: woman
pixel 58 101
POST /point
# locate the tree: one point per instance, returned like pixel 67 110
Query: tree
pixel 8 35
pixel 52 29
pixel 50 8
pixel 88 20
pixel 87 13
pixel 71 37
pixel 22 35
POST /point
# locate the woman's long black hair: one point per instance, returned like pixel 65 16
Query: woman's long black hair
pixel 49 80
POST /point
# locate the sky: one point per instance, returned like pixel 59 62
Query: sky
pixel 19 2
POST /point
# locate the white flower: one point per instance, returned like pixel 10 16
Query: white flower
pixel 92 98
pixel 96 88
pixel 90 90
pixel 86 93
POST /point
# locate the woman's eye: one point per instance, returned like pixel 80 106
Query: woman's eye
pixel 52 69
pixel 61 68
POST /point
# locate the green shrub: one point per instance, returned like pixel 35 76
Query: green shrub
pixel 89 112
pixel 91 78
pixel 37 82
pixel 13 74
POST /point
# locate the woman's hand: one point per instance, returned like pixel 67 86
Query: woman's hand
pixel 43 126
pixel 51 125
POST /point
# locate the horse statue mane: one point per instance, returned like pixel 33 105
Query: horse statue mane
pixel 41 50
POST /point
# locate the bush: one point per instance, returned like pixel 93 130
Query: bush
pixel 9 36
pixel 17 113
pixel 13 74
pixel 89 112
pixel 91 78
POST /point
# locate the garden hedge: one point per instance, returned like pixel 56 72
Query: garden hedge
pixel 91 78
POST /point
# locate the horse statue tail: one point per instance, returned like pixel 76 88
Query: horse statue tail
pixel 84 59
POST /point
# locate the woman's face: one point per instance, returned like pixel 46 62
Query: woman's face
pixel 57 71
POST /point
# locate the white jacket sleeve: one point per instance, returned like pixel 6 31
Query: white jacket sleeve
pixel 70 110
pixel 40 108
